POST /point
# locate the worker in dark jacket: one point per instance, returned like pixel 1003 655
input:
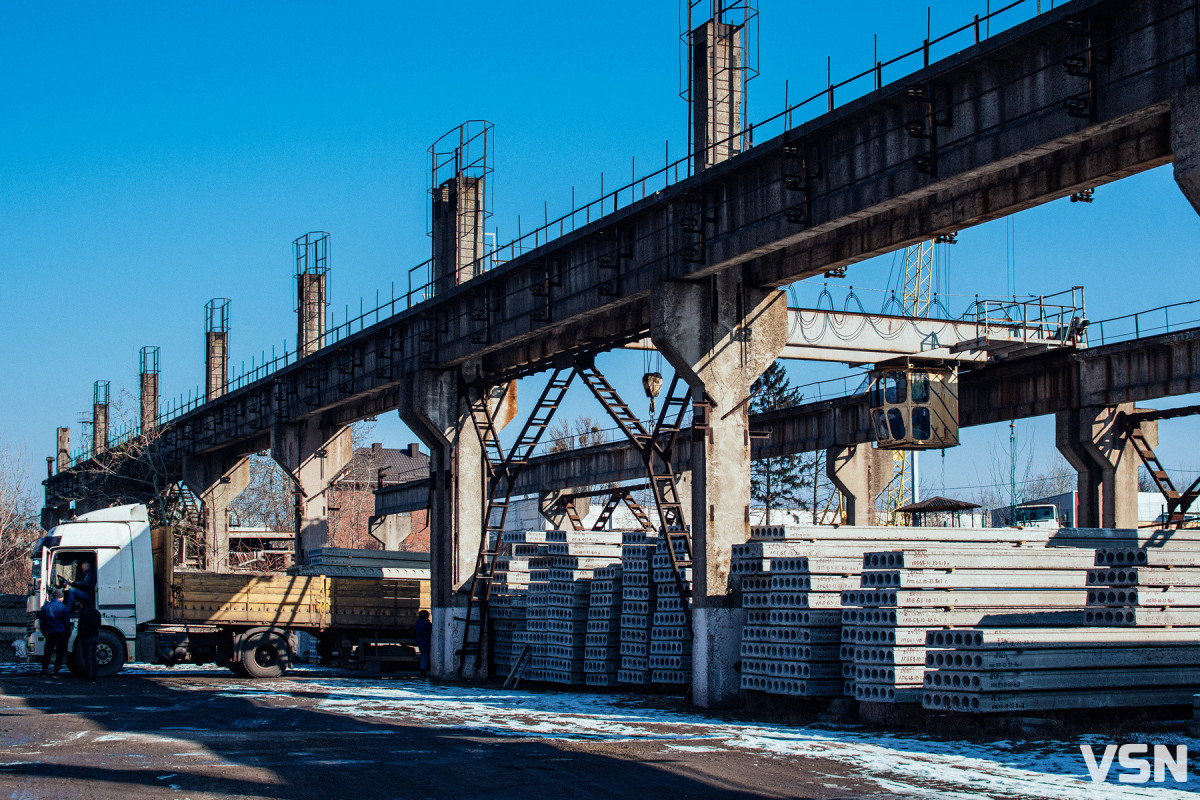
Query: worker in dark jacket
pixel 424 639
pixel 55 621
pixel 87 637
pixel 84 589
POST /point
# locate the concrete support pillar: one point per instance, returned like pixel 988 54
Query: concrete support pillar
pixel 458 216
pixel 313 456
pixel 1106 461
pixel 217 482
pixel 99 427
pixel 310 334
pixel 216 363
pixel 391 530
pixel 720 336
pixel 433 409
pixel 860 472
pixel 62 452
pixel 149 401
pixel 1185 142
pixel 718 56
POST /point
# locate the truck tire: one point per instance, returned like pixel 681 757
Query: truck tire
pixel 110 654
pixel 264 655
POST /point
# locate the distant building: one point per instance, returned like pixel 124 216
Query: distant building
pixel 1152 509
pixel 352 521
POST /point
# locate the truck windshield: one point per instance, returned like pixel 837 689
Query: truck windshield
pixel 35 581
pixel 1035 514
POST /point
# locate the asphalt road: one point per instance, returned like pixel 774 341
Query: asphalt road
pixel 201 733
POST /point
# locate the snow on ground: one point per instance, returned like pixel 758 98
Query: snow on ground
pixel 911 763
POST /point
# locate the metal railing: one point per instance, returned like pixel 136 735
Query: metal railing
pixel 1155 321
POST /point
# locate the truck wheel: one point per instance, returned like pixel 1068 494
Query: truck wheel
pixel 264 655
pixel 110 654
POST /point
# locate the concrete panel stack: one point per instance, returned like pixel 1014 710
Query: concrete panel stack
pixel 1143 603
pixel 558 606
pixel 638 599
pixel 994 670
pixel 791 592
pixel 508 604
pixel 670 640
pixel 602 657
pixel 907 592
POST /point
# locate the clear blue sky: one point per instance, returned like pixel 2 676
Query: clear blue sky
pixel 155 156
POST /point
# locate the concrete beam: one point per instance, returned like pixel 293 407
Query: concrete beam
pixel 720 335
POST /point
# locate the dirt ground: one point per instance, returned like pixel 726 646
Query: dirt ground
pixel 201 733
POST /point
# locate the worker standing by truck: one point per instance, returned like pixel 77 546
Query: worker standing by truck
pixel 55 619
pixel 88 637
pixel 424 639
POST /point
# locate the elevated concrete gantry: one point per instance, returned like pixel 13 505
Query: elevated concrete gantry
pixel 720 335
pixel 217 482
pixel 434 409
pixel 1094 443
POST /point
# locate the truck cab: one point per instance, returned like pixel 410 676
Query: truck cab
pixel 115 543
pixel 1037 515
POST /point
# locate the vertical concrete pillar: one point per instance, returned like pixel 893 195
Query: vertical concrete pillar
pixel 149 401
pixel 99 427
pixel 62 452
pixel 216 363
pixel 433 409
pixel 458 215
pixel 860 472
pixel 717 55
pixel 313 455
pixel 217 482
pixel 720 336
pixel 310 335
pixel 1107 463
pixel 1185 142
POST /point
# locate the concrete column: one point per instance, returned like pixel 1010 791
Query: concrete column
pixel 391 530
pixel 217 482
pixel 855 471
pixel 99 427
pixel 720 336
pixel 149 398
pixel 216 363
pixel 433 409
pixel 1185 142
pixel 1106 462
pixel 458 216
pixel 62 453
pixel 310 335
pixel 717 55
pixel 313 456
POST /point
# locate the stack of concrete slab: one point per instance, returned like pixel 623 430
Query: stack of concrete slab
pixel 791 587
pixel 906 592
pixel 1142 646
pixel 344 562
pixel 602 657
pixel 557 610
pixel 638 601
pixel 994 670
pixel 670 640
pixel 508 602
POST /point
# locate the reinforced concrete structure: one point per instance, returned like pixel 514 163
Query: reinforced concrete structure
pixel 1086 93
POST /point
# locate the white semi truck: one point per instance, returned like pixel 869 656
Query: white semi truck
pixel 246 622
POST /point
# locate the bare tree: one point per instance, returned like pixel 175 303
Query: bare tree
pixel 269 500
pixel 18 528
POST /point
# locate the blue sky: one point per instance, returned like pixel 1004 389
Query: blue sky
pixel 156 156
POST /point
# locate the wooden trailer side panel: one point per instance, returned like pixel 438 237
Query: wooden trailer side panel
pixel 278 600
pixel 377 602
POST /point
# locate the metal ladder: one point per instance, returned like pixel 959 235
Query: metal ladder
pixel 502 474
pixel 655 449
pixel 1177 502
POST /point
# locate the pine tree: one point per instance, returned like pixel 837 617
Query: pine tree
pixel 779 482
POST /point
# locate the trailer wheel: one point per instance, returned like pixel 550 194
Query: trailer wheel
pixel 264 655
pixel 110 654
